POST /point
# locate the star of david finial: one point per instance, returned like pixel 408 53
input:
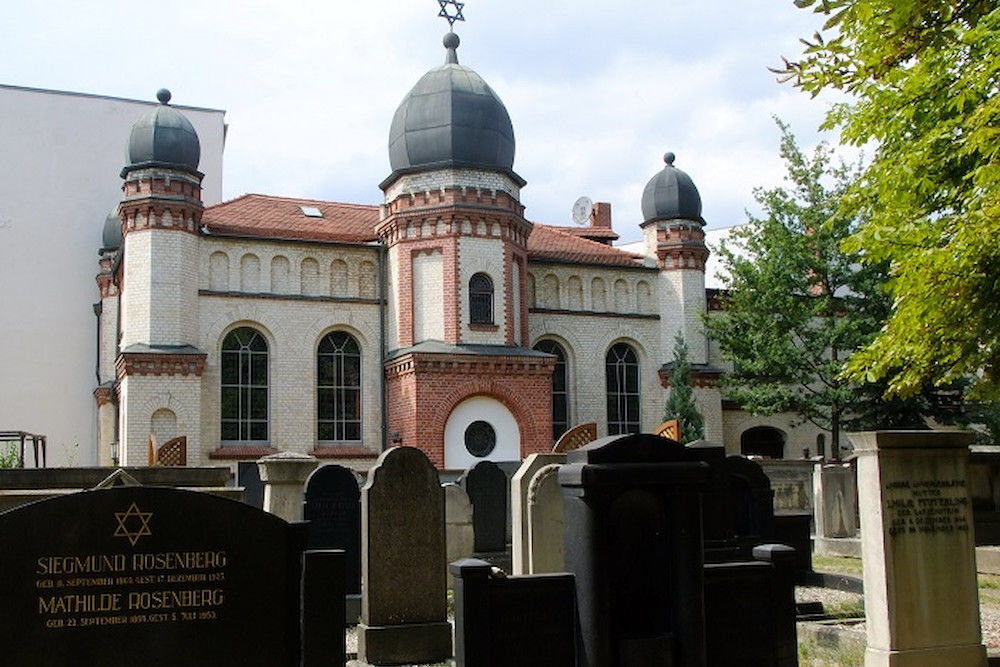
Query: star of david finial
pixel 133 524
pixel 451 17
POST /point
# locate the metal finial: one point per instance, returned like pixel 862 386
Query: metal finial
pixel 163 95
pixel 451 17
pixel 668 157
pixel 451 42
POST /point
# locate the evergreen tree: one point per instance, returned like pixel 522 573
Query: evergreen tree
pixel 680 402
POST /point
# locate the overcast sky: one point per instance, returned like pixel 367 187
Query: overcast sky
pixel 597 91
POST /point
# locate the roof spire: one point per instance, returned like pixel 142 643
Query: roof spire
pixel 451 17
pixel 451 42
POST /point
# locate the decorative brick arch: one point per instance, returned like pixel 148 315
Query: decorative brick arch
pixel 492 388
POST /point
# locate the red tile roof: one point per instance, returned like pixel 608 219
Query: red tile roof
pixel 560 244
pixel 269 217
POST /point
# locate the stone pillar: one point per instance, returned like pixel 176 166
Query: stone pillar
pixel 918 549
pixel 284 476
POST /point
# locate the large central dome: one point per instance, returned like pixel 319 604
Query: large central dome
pixel 451 118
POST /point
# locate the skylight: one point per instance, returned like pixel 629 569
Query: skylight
pixel 311 212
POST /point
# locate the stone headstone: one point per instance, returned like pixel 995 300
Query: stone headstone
pixel 403 604
pixel 501 621
pixel 457 525
pixel 918 550
pixel 487 487
pixel 333 509
pixel 835 491
pixel 284 476
pixel 518 501
pixel 248 476
pixel 634 541
pixel 546 546
pixel 149 576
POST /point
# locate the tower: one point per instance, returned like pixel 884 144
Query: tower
pixel 458 379
pixel 159 366
pixel 673 230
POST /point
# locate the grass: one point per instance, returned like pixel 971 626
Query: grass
pixel 814 654
pixel 836 564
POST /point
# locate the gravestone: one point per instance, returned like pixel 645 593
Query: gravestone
pixel 519 510
pixel 546 547
pixel 457 525
pixel 634 541
pixel 917 549
pixel 333 509
pixel 835 491
pixel 152 576
pixel 500 621
pixel 718 531
pixel 487 487
pixel 403 604
pixel 248 476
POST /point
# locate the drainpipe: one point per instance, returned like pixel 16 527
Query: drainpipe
pixel 382 306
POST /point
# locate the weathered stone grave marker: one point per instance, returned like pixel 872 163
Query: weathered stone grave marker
pixel 546 546
pixel 458 525
pixel 519 485
pixel 403 604
pixel 918 549
pixel 133 575
pixel 333 509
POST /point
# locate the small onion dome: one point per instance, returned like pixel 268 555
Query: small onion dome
pixel 164 137
pixel 111 237
pixel 671 195
pixel 451 118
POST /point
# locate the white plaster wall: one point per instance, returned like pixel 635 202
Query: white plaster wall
pixel 709 403
pixel 62 153
pixel 484 255
pixel 495 413
pixel 428 297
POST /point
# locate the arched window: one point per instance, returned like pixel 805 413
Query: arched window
pixel 622 378
pixel 480 299
pixel 765 441
pixel 338 388
pixel 244 386
pixel 560 387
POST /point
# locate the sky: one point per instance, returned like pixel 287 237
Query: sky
pixel 597 91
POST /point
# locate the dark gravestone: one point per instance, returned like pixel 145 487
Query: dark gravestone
pixel 634 541
pixel 403 604
pixel 248 476
pixel 333 509
pixel 148 576
pixel 751 500
pixel 488 489
pixel 527 621
pixel 716 506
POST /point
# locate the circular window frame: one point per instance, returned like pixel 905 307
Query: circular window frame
pixel 480 438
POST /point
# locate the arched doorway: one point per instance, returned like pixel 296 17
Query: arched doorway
pixel 765 441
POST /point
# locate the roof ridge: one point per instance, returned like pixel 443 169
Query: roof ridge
pixel 308 199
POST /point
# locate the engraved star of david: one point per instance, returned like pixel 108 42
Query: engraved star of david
pixel 140 521
pixel 457 16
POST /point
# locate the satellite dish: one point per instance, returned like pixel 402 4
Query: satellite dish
pixel 581 210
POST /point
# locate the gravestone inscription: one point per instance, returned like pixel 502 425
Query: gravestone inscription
pixel 147 575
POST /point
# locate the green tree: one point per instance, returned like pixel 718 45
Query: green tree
pixel 798 305
pixel 680 402
pixel 924 84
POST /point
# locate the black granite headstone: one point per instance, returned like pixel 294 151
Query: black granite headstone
pixel 148 576
pixel 634 541
pixel 526 621
pixel 488 491
pixel 248 476
pixel 333 509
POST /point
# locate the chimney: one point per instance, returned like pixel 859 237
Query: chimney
pixel 600 215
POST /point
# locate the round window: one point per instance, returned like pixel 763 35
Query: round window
pixel 480 438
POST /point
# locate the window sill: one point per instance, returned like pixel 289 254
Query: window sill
pixel 484 327
pixel 343 451
pixel 241 451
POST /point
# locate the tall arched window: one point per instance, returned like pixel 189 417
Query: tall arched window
pixel 338 388
pixel 480 299
pixel 622 378
pixel 244 386
pixel 560 387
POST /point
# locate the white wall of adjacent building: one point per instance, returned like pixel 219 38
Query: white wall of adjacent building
pixel 59 177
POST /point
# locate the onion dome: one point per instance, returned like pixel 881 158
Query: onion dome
pixel 451 118
pixel 671 195
pixel 164 137
pixel 111 237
